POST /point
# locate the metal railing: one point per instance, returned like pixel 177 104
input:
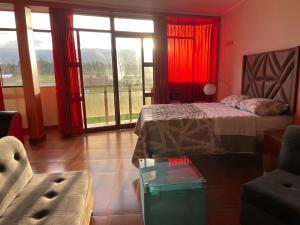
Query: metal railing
pixel 130 89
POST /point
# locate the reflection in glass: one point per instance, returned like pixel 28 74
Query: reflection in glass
pixel 97 78
pixel 91 22
pixel 148 101
pixel 148 50
pixel 40 21
pixel 134 25
pixel 130 78
pixel 148 71
pixel 7 19
pixel 9 59
pixel 43 49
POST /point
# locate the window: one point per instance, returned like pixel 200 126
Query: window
pixel 43 48
pixel 91 22
pixel 7 19
pixel 9 54
pixel 148 50
pixel 40 21
pixel 134 25
pixel 134 60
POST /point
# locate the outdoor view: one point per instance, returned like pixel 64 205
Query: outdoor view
pixel 96 56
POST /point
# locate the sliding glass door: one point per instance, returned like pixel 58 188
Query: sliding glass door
pixel 129 58
pixel 116 69
pixel 95 49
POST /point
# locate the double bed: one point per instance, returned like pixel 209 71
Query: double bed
pixel 216 128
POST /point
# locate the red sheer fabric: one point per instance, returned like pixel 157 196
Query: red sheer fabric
pixel 192 57
pixel 2 107
pixel 66 72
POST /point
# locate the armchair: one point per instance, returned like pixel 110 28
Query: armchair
pixel 274 199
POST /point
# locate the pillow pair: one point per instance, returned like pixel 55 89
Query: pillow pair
pixel 259 106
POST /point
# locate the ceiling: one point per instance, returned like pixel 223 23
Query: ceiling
pixel 203 7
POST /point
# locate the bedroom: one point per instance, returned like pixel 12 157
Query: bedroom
pixel 246 27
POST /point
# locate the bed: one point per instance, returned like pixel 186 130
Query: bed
pixel 215 128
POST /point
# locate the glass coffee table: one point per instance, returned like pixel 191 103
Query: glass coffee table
pixel 172 192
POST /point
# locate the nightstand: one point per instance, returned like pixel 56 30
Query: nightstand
pixel 272 145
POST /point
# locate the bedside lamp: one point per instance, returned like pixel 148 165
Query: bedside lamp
pixel 209 89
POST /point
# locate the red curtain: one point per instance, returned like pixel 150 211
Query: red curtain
pixel 192 56
pixel 2 107
pixel 66 72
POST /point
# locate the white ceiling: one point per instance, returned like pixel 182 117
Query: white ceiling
pixel 204 7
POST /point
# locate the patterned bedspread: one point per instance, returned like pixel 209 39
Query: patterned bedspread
pixel 175 128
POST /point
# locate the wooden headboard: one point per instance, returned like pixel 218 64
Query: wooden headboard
pixel 272 75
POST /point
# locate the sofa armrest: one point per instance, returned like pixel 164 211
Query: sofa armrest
pixel 11 125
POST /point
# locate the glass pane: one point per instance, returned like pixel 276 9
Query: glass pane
pixel 91 22
pixel 76 44
pixel 148 50
pixel 43 49
pixel 97 78
pixel 7 19
pixel 130 78
pixel 134 25
pixel 148 71
pixel 40 21
pixel 148 100
pixel 9 59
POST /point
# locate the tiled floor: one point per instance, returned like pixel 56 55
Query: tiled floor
pixel 108 156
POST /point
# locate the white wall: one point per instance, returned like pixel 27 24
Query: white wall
pixel 14 101
pixel 252 27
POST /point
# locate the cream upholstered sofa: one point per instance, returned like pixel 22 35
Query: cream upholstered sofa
pixel 40 199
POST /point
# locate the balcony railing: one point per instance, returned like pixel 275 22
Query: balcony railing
pixel 100 109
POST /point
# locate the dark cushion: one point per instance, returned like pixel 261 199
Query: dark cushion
pixel 289 158
pixel 277 193
pixel 5 118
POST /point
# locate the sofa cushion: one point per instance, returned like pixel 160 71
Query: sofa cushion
pixel 49 199
pixel 277 193
pixel 15 170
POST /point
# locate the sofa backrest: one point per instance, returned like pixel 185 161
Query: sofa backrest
pixel 289 159
pixel 15 170
pixel 5 118
pixel 11 125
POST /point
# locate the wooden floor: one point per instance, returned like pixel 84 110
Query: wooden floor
pixel 108 156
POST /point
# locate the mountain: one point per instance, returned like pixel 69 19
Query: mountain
pixel 11 56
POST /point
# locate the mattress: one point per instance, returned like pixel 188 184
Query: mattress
pixel 265 123
pixel 233 121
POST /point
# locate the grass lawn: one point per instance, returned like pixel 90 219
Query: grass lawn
pixel 101 119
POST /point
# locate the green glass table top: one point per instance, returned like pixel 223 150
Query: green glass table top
pixel 169 174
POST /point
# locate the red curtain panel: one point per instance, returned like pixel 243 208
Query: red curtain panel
pixel 66 72
pixel 192 56
pixel 2 107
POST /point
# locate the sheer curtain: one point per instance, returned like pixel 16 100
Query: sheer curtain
pixel 192 56
pixel 66 72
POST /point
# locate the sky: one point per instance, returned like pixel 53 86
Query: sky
pixel 87 39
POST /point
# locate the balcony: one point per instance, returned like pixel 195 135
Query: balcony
pixel 100 108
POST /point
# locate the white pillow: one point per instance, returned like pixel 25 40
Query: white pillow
pixel 233 100
pixel 263 106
